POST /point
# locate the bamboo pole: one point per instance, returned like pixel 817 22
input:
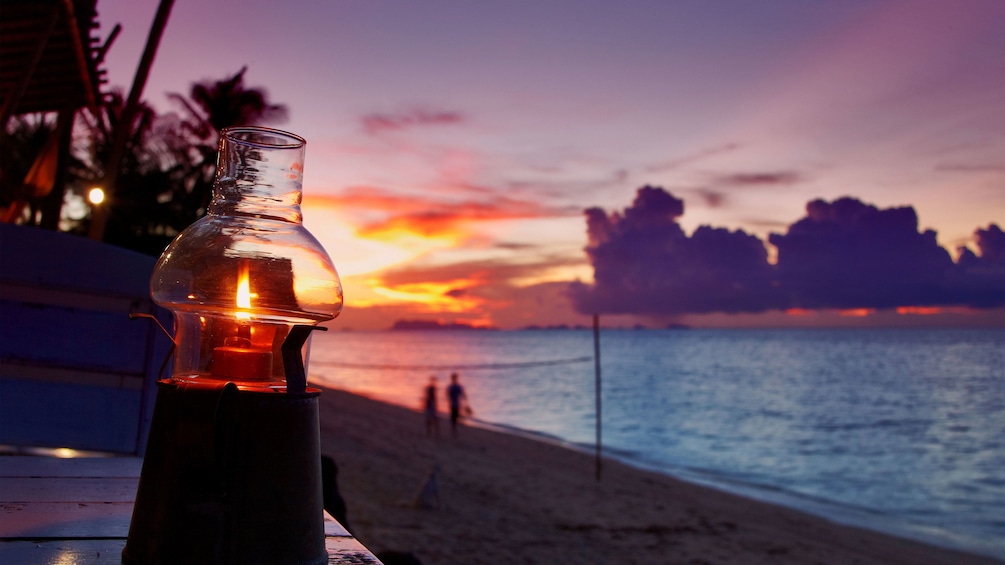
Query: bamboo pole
pixel 123 131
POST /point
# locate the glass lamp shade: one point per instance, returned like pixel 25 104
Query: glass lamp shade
pixel 241 277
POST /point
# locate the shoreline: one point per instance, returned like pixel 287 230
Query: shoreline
pixel 515 498
pixel 825 509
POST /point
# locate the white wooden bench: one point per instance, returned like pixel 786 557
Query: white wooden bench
pixel 78 511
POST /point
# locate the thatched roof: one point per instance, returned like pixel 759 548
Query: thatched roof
pixel 49 60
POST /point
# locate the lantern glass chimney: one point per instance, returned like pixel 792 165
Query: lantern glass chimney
pixel 241 277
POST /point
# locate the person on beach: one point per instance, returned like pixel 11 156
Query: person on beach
pixel 432 419
pixel 457 400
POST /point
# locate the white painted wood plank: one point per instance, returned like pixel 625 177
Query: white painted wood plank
pixel 348 551
pixel 334 528
pixel 65 520
pixel 61 552
pixel 74 501
pixel 28 466
pixel 341 551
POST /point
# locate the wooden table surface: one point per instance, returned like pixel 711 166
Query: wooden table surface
pixel 77 511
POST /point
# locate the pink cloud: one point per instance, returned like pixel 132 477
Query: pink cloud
pixel 430 216
pixel 377 123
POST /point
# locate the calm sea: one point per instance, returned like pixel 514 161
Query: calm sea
pixel 897 430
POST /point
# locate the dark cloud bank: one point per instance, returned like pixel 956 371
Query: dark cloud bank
pixel 844 254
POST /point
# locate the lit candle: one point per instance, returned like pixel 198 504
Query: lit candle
pixel 238 359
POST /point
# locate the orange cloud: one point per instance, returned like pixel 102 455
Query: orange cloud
pixel 919 310
pixel 858 312
pixel 537 305
pixel 478 273
pixel 482 292
pixel 390 216
pixel 934 310
pixel 433 296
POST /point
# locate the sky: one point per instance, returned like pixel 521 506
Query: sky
pixel 509 164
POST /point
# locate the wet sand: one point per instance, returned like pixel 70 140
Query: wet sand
pixel 506 499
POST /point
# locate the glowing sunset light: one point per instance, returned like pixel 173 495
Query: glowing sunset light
pixel 364 297
pixel 799 312
pixel 407 233
pixel 380 214
pixel 433 296
pixel 919 310
pixel 857 312
pixel 843 157
pixel 555 273
pixel 934 310
pixel 356 255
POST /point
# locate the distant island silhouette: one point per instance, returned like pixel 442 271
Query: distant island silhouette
pixel 556 327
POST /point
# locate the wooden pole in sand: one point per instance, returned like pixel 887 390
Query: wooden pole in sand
pixel 596 382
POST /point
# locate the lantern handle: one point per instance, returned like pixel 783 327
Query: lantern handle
pixel 134 315
pixel 174 343
pixel 293 362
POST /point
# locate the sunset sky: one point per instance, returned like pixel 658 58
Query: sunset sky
pixel 454 146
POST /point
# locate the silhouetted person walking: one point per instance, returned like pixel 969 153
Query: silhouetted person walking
pixel 429 409
pixel 457 400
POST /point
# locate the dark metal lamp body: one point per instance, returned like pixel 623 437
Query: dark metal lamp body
pixel 231 477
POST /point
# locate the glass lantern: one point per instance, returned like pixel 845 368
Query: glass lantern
pixel 240 278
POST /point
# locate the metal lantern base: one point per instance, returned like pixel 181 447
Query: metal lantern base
pixel 231 477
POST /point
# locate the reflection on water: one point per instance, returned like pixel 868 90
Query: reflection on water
pixel 894 429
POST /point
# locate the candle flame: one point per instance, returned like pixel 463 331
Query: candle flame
pixel 243 292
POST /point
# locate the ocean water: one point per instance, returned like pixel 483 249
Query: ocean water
pixel 897 430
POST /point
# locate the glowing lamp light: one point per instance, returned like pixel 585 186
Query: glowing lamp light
pixel 96 195
pixel 243 294
pixel 238 359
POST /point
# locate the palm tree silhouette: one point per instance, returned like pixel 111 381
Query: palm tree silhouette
pixel 166 172
pixel 170 164
pixel 215 105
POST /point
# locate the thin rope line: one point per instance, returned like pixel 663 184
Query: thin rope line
pixel 453 367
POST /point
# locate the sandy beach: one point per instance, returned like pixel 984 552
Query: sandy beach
pixel 503 499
